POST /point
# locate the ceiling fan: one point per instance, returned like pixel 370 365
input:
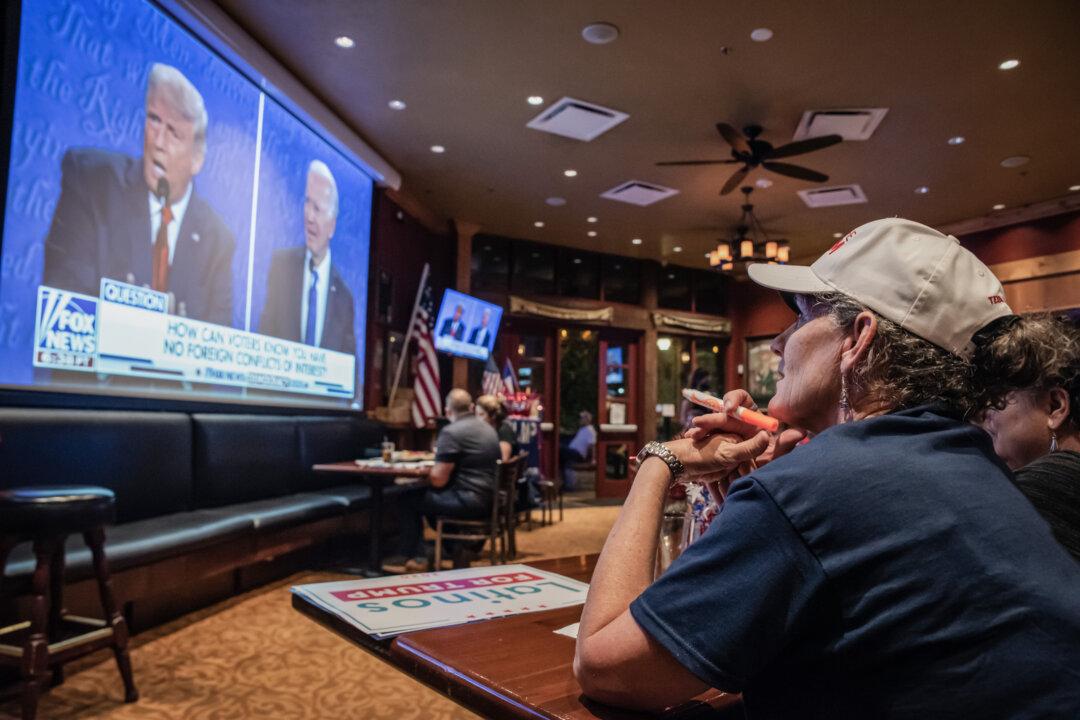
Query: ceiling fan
pixel 751 153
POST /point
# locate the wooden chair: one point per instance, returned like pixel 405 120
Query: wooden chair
pixel 496 528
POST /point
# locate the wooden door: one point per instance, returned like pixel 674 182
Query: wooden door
pixel 618 412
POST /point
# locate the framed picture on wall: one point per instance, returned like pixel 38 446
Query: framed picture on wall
pixel 762 366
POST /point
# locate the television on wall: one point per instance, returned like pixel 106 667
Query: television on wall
pixel 466 326
pixel 173 227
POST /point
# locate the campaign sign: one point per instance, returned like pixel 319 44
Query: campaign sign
pixel 387 606
pixel 138 337
pixel 65 330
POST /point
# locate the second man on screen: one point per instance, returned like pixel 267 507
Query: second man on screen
pixel 306 298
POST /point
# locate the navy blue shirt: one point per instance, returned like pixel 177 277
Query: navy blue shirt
pixel 887 569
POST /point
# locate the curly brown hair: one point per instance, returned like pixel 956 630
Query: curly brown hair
pixel 1030 352
pixel 902 370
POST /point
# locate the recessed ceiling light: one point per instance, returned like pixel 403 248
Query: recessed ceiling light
pixel 922 190
pixel 763 183
pixel 538 223
pixel 636 241
pixel 396 105
pixel 591 233
pixel 344 41
pixel 570 173
pixel 535 100
pixel 1074 188
pixel 1015 161
pixel 956 140
pixel 1009 64
pixel 999 206
pixel 556 201
pixel 838 235
pixel 590 219
pixel 761 35
pixel 438 149
pixel 577 261
pixel 677 248
pixel 600 33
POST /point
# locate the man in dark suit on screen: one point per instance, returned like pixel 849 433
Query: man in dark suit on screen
pixel 454 327
pixel 306 298
pixel 139 220
pixel 481 334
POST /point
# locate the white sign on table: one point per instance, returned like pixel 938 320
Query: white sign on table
pixel 386 606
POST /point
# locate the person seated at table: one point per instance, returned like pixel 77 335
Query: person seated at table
pixel 493 412
pixel 1035 364
pixel 888 568
pixel 462 484
pixel 579 450
pixel 688 410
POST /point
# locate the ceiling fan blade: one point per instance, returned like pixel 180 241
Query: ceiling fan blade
pixel 733 137
pixel 804 146
pixel 795 171
pixel 697 162
pixel 734 180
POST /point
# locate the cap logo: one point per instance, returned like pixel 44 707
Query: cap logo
pixel 841 242
pixel 995 299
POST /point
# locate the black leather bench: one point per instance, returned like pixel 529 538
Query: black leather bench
pixel 184 482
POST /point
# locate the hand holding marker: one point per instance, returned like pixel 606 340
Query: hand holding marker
pixel 748 416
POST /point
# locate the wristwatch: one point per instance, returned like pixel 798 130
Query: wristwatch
pixel 655 449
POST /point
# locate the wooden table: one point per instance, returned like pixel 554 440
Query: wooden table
pixel 514 667
pixel 376 477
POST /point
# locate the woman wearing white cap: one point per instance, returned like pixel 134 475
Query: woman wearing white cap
pixel 886 569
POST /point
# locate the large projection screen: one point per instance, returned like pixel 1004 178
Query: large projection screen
pixel 171 229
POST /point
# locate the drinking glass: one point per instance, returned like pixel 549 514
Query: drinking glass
pixel 672 542
pixel 387 451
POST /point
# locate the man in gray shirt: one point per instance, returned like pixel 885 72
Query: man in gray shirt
pixel 462 482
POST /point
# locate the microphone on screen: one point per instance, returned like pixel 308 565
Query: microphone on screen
pixel 163 190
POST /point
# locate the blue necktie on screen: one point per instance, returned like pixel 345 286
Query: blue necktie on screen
pixel 312 307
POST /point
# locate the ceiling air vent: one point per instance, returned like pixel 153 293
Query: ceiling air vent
pixel 577 119
pixel 854 124
pixel 830 196
pixel 636 192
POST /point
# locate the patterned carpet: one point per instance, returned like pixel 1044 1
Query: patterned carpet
pixel 255 657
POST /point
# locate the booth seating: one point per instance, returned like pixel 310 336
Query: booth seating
pixel 196 494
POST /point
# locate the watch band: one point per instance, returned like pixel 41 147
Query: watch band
pixel 656 449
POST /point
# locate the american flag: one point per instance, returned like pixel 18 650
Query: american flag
pixel 491 383
pixel 509 379
pixel 426 394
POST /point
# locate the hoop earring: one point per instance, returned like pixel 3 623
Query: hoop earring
pixel 845 402
pixel 1053 442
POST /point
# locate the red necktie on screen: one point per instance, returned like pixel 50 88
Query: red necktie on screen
pixel 160 280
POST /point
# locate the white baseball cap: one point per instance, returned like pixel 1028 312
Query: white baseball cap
pixel 909 273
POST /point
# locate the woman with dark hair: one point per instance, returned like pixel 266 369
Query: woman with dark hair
pixel 1033 366
pixel 491 411
pixel 887 568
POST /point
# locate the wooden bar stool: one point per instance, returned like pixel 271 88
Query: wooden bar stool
pixel 46 516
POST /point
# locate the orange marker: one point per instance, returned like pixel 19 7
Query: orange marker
pixel 748 416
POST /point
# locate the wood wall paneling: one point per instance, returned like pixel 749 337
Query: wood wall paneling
pixel 400 245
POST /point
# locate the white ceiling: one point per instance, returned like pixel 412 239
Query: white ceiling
pixel 465 68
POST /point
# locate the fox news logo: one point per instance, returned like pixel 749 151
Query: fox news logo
pixel 66 330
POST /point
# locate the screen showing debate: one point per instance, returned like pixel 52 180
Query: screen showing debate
pixel 170 229
pixel 466 326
